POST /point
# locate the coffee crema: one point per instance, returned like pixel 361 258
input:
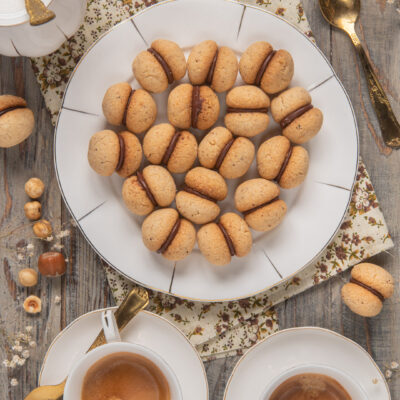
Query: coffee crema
pixel 310 386
pixel 125 376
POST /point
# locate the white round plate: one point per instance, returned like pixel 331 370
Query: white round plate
pixel 315 209
pixel 146 329
pixel 289 348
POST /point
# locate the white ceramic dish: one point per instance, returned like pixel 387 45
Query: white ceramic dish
pixel 146 329
pixel 315 210
pixel 289 349
pixel 19 38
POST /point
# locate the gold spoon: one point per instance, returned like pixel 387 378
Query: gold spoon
pixel 134 302
pixel 38 13
pixel 343 14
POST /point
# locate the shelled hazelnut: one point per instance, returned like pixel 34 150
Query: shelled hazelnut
pixel 33 305
pixel 52 264
pixel 42 229
pixel 33 210
pixel 28 277
pixel 34 188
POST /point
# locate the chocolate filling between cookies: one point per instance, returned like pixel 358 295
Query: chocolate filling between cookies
pixel 247 110
pixel 197 103
pixel 284 164
pixel 197 193
pixel 146 188
pixel 223 153
pixel 170 237
pixel 263 67
pixel 228 239
pixel 163 64
pixel 295 114
pixel 211 71
pixel 127 106
pixel 369 288
pixel 247 212
pixel 121 158
pixel 6 110
pixel 171 147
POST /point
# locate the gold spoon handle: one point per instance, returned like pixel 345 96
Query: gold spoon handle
pixel 390 127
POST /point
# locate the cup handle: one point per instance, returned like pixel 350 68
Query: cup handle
pixel 110 327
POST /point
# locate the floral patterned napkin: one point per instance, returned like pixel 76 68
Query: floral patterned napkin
pixel 221 329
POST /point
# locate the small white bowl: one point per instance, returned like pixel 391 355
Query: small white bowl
pixel 352 387
pixel 19 38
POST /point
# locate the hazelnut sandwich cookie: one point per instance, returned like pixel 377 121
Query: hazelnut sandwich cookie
pixel 159 66
pixel 175 149
pixel 369 286
pixel 300 121
pixel 279 160
pixel 230 156
pixel 197 201
pixel 247 111
pixel 193 106
pixel 228 237
pixel 270 69
pixel 133 108
pixel 111 152
pixel 166 233
pixel 153 187
pixel 212 65
pixel 16 120
pixel 258 200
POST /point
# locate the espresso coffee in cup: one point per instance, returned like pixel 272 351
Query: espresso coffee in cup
pixel 125 376
pixel 310 386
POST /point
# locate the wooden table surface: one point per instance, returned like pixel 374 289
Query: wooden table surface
pixel 84 286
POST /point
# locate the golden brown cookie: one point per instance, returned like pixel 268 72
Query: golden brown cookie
pixel 258 200
pixel 247 111
pixel 299 119
pixel 159 66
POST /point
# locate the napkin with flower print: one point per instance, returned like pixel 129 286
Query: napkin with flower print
pixel 226 328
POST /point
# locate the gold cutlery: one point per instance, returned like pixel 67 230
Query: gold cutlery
pixel 343 14
pixel 38 13
pixel 134 302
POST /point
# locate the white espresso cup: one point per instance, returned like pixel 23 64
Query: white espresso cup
pixel 352 387
pixel 73 387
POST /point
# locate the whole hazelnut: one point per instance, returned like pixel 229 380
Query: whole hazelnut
pixel 42 229
pixel 28 277
pixel 33 305
pixel 34 188
pixel 33 210
pixel 52 264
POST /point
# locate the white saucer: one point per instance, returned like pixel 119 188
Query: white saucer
pixel 147 329
pixel 292 347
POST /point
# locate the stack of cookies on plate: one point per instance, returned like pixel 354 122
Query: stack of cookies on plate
pixel 208 156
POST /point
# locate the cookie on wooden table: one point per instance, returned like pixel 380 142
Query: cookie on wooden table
pixel 279 160
pixel 193 106
pixel 300 121
pixel 153 187
pixel 247 111
pixel 369 286
pixel 16 120
pixel 212 65
pixel 159 66
pixel 198 200
pixel 166 233
pixel 175 149
pixel 231 156
pixel 221 241
pixel 111 152
pixel 258 200
pixel 133 108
